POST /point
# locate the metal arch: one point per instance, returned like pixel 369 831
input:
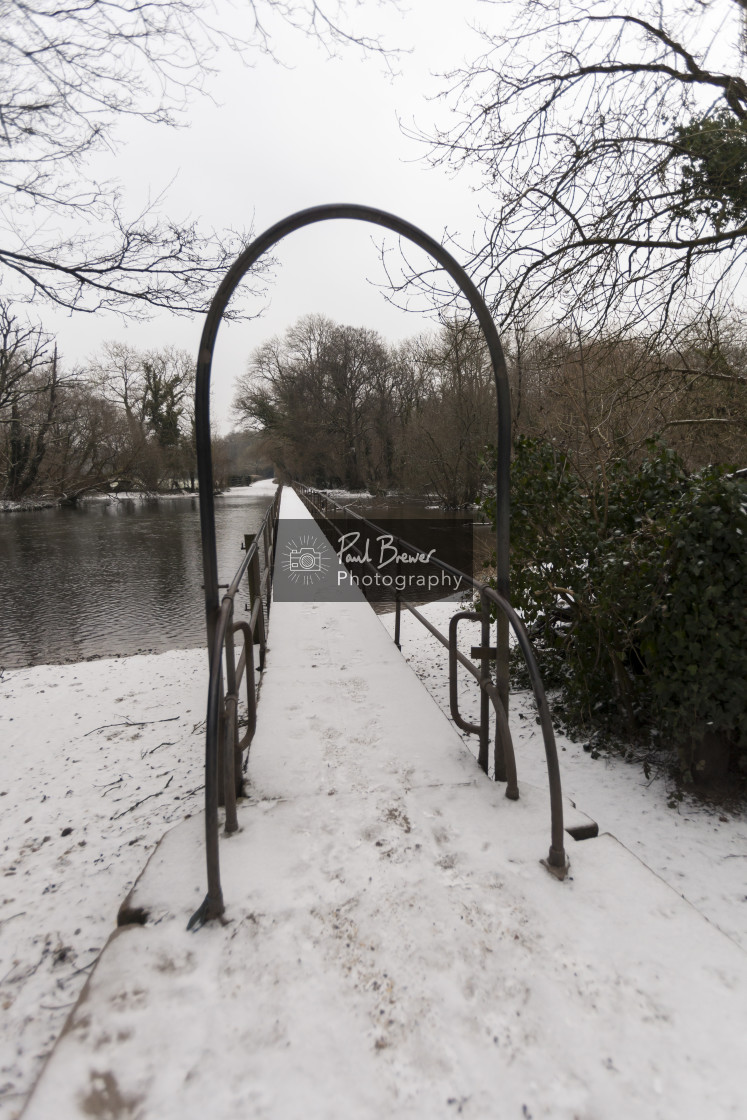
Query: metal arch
pixel 230 282
pixel 233 277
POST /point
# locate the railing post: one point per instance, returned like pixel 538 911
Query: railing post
pixel 501 661
pixel 230 730
pixel 255 591
pixel 470 728
pixel 503 748
pixel 484 750
pixel 273 546
pixel 398 607
pixel 266 549
pixel 255 588
pixel 249 539
pixel 251 687
pixel 221 742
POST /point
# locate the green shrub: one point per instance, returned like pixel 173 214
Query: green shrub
pixel 633 587
pixel 695 641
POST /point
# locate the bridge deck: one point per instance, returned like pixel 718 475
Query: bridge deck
pixel 393 946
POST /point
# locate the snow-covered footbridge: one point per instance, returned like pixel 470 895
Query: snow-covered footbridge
pixel 391 944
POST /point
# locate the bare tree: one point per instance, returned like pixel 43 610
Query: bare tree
pixel 327 397
pixel 706 415
pixel 24 350
pixel 29 419
pixel 155 389
pixel 70 72
pixel 29 389
pixel 614 144
pixel 339 407
pixel 455 417
pixel 117 375
pixel 601 395
pixel 91 445
pixel 128 417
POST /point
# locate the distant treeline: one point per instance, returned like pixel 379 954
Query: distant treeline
pixel 338 406
pixel 123 421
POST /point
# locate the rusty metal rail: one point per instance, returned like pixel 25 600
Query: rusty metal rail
pixel 224 747
pixel 320 505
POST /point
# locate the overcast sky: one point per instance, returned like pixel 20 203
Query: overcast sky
pixel 282 137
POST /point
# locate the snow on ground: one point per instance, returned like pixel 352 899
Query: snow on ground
pixel 346 495
pixel 98 759
pixel 262 486
pixel 700 852
pixel 392 946
pixel 135 496
pixel 6 506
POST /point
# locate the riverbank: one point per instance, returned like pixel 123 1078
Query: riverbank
pixel 31 505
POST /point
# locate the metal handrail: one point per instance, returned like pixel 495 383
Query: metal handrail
pixel 223 747
pixel 319 504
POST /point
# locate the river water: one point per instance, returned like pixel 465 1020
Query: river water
pixel 112 578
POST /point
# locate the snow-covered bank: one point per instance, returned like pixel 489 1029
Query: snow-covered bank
pixel 263 486
pixel 700 852
pixel 98 759
pixel 29 505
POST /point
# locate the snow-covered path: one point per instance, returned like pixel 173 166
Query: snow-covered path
pixel 393 945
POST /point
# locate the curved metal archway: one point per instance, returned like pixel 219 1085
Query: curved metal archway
pixel 232 279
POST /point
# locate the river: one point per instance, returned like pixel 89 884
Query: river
pixel 118 577
pixel 112 578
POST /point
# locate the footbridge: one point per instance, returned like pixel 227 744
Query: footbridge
pixel 391 943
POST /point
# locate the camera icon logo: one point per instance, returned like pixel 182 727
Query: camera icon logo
pixel 305 559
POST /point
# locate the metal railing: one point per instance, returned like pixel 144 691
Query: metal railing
pixel 491 601
pixel 224 747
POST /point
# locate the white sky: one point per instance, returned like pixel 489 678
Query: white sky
pixel 280 138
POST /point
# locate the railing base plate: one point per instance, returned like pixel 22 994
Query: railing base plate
pixel 558 872
pixel 208 911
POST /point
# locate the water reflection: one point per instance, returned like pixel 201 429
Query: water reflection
pixel 112 578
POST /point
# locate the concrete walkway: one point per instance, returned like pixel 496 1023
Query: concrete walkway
pixel 393 946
